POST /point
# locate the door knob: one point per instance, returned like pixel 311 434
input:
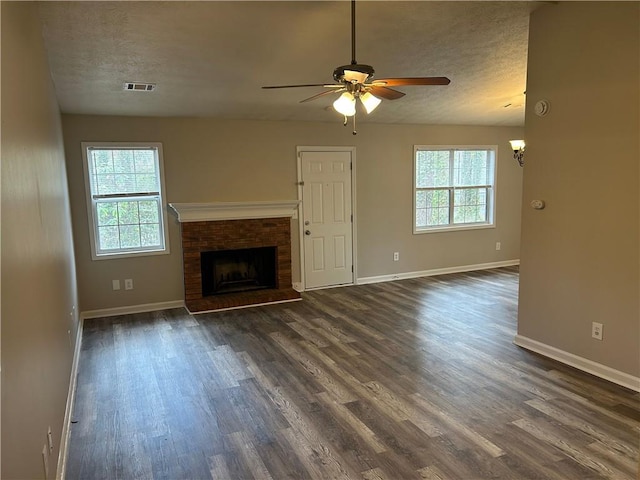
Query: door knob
pixel 307 232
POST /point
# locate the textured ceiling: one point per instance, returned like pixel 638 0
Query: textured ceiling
pixel 210 58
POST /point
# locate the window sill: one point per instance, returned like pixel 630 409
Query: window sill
pixel 452 228
pixel 143 253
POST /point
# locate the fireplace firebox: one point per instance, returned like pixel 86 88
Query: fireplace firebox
pixel 238 270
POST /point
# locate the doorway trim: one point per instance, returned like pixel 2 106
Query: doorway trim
pixel 354 229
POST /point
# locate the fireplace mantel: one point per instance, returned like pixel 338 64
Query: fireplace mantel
pixel 204 212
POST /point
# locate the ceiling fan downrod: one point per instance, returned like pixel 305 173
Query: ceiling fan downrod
pixel 353 32
pixel 366 70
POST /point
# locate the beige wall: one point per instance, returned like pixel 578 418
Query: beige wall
pixel 579 260
pixel 214 160
pixel 38 278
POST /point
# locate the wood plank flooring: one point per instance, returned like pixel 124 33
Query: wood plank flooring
pixel 409 379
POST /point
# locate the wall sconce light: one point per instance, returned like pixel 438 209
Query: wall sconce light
pixel 518 151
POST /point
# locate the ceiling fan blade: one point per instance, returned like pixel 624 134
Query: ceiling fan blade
pixel 384 92
pixel 322 94
pixel 307 85
pixel 399 82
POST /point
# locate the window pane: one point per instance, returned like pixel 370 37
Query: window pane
pixel 437 212
pixel 147 183
pixel 123 161
pixel 437 216
pixel 442 217
pixel 102 162
pixel 439 198
pixel 150 235
pixel 148 211
pixel 125 183
pixel 128 213
pixel 145 161
pixel 470 205
pixel 108 238
pixel 470 167
pixel 105 184
pixel 129 236
pixel 107 213
pixel 432 168
pixel 421 217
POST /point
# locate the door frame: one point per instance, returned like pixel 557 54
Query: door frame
pixel 354 242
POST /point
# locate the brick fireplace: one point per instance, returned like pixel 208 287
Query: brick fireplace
pixel 229 228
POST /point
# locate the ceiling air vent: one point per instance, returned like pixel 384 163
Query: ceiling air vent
pixel 140 87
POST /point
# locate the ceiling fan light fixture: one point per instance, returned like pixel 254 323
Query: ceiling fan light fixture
pixel 345 104
pixel 370 101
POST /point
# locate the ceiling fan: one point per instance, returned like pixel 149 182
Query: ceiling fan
pixel 355 81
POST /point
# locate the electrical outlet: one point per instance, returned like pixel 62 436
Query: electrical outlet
pixel 396 256
pixel 115 284
pixel 128 284
pixel 596 330
pixel 50 440
pixel 498 246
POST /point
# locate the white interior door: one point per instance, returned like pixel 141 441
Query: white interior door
pixel 327 231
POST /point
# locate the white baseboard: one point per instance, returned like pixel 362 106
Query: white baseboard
pixel 145 307
pixel 66 425
pixel 589 366
pixel 437 271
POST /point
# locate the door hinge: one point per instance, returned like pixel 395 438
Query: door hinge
pixel 352 218
pixel 351 268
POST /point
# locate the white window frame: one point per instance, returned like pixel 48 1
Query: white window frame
pixel 92 201
pixel 491 189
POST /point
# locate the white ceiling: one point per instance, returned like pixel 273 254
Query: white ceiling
pixel 210 58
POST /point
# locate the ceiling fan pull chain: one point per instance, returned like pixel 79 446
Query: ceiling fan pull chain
pixel 354 126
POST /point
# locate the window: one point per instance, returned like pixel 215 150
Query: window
pixel 453 188
pixel 125 190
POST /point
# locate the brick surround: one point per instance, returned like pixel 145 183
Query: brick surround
pixel 236 234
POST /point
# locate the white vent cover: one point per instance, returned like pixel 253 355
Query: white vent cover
pixel 139 87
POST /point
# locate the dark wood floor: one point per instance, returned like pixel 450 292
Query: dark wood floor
pixel 408 379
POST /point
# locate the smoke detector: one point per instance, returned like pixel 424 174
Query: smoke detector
pixel 542 108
